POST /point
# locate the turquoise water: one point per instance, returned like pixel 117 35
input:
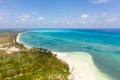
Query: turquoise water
pixel 103 45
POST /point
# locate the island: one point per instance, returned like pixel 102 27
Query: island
pixel 18 62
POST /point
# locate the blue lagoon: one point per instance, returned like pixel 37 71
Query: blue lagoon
pixel 92 54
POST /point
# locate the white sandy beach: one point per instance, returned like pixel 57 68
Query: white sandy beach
pixel 82 66
pixel 18 40
pixel 17 37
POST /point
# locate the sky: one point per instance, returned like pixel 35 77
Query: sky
pixel 59 13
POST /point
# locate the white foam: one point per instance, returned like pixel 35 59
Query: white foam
pixel 18 40
pixel 82 66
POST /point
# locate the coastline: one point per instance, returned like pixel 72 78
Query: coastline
pixel 28 63
pixel 18 41
pixel 83 69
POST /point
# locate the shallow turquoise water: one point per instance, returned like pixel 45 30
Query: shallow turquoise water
pixel 103 45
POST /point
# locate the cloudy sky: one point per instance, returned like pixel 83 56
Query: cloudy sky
pixel 59 13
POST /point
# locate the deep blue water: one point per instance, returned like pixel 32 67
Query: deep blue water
pixel 103 45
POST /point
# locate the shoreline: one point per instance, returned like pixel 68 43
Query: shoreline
pixel 18 41
pixel 81 69
pixel 28 63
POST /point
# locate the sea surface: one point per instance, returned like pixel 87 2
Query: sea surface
pixel 102 44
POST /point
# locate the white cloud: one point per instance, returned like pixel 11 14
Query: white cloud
pixel 63 22
pixel 84 16
pixel 111 19
pixel 1 19
pixel 104 14
pixel 41 18
pixel 23 18
pixel 83 22
pixel 98 1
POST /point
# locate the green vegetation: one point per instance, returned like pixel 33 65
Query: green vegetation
pixel 31 64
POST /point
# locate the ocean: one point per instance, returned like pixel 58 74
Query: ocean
pixel 102 44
